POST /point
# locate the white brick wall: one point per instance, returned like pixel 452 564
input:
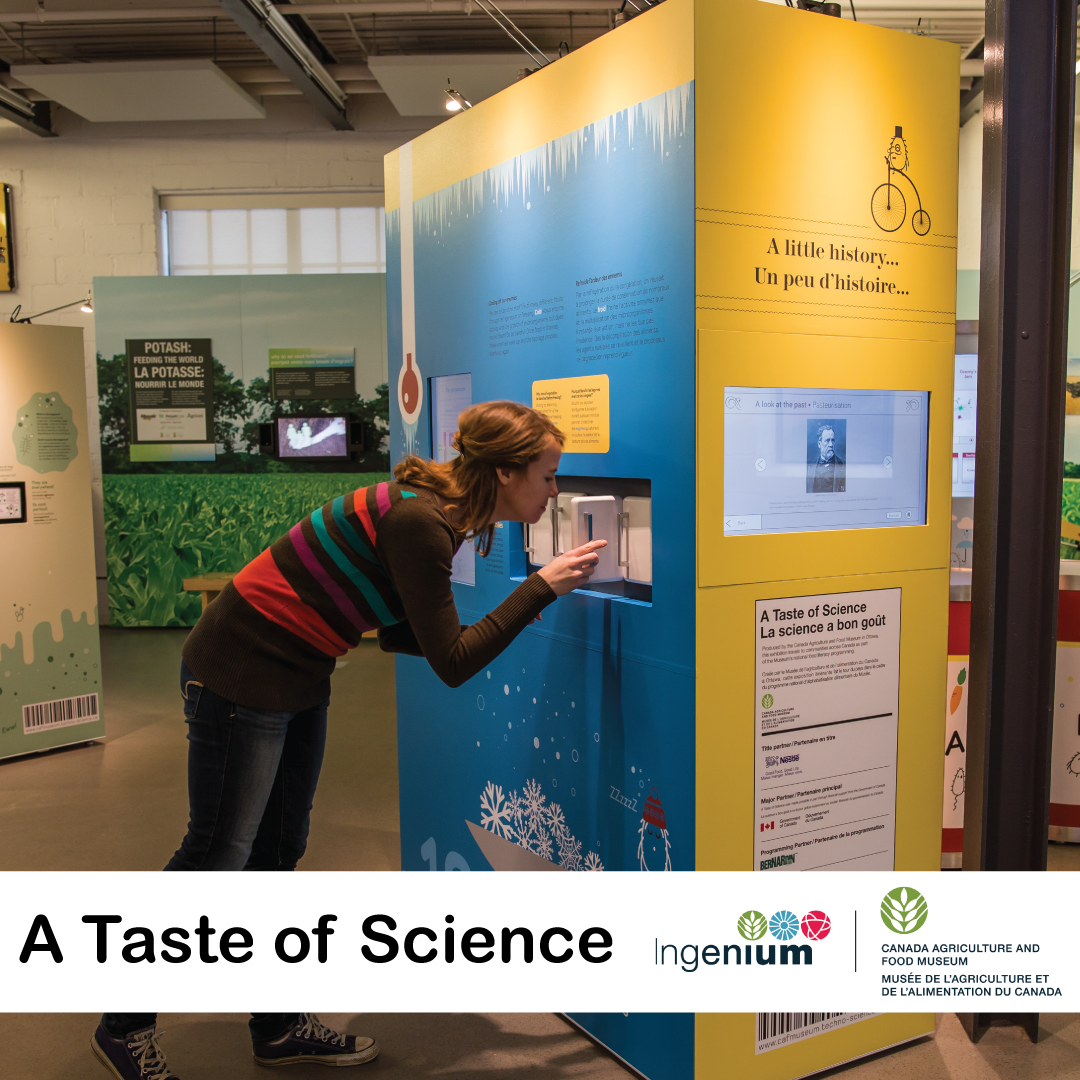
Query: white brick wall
pixel 85 204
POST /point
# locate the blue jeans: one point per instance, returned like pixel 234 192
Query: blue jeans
pixel 251 783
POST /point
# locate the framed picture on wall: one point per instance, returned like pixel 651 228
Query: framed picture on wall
pixel 12 502
pixel 7 256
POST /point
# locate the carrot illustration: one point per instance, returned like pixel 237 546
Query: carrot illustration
pixel 958 691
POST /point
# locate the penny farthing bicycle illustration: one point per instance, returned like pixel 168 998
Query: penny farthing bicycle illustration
pixel 888 204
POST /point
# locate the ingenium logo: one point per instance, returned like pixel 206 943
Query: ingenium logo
pixel 784 925
pixel 904 910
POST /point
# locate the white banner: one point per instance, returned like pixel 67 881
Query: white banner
pixel 603 942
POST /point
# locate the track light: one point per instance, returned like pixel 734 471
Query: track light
pixel 18 317
pixel 455 102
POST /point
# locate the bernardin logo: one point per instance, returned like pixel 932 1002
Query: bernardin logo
pixel 904 910
pixel 752 926
pixel 775 861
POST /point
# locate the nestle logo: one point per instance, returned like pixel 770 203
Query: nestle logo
pixel 771 761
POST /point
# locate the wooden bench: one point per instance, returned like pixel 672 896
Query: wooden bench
pixel 209 585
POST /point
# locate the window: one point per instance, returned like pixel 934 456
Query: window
pixel 307 240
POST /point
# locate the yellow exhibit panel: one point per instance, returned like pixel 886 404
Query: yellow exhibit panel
pixel 825 263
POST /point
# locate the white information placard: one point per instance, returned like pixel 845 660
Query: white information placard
pixel 826 711
pixel 164 425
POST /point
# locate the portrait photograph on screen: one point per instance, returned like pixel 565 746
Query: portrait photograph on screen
pixel 802 459
pixel 312 437
pixel 826 450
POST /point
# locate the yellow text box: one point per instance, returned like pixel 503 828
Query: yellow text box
pixel 579 407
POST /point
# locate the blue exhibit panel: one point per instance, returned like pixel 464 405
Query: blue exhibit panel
pixel 577 743
pixel 660 1045
pixel 554 748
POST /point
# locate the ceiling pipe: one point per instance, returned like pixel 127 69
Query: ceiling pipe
pixel 270 30
pixel 288 89
pixel 379 7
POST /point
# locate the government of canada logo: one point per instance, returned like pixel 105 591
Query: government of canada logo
pixel 904 910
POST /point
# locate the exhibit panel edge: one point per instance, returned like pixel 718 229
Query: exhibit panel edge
pixel 50 651
pixel 770 213
pixel 617 664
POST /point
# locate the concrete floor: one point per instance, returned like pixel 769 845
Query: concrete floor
pixel 122 805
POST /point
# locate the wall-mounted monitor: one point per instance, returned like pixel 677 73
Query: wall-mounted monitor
pixel 323 437
pixel 809 460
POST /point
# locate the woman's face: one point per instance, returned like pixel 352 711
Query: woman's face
pixel 524 493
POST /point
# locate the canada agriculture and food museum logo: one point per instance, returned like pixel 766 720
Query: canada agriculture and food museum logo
pixel 904 910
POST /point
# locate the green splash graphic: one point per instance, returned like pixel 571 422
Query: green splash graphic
pixel 60 669
pixel 45 436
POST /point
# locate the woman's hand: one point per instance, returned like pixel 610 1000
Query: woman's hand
pixel 572 569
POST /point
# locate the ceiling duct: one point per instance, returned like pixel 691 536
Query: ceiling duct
pixel 31 116
pixel 272 32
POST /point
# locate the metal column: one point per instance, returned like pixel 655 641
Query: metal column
pixel 1030 56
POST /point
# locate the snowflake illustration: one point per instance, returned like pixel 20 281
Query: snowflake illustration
pixel 534 798
pixel 556 818
pixel 569 851
pixel 495 812
pixel 530 821
pixel 543 846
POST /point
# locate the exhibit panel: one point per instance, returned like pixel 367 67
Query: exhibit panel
pixel 230 407
pixel 826 254
pixel 509 259
pixel 50 656
pixel 775 495
pixel 570 709
pixel 1065 753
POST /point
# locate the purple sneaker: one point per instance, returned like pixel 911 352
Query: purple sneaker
pixel 133 1057
pixel 309 1040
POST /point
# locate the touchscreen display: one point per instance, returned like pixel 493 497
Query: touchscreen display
pixel 312 437
pixel 798 460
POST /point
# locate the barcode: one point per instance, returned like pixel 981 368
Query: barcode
pixel 769 1025
pixel 780 1029
pixel 60 713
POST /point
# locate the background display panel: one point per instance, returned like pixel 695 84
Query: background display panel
pixel 807 460
pixel 965 399
pixel 313 437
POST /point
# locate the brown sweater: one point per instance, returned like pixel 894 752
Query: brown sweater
pixel 378 558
